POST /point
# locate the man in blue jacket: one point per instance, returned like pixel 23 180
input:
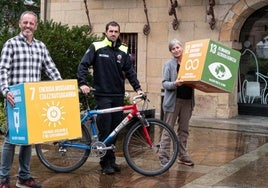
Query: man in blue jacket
pixel 111 65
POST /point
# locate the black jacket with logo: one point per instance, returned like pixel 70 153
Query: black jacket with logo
pixel 110 67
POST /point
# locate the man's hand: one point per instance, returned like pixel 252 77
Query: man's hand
pixel 85 89
pixel 140 92
pixel 10 99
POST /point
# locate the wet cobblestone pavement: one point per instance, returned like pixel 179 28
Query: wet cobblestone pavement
pixel 227 153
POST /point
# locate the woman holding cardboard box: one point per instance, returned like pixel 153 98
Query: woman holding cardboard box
pixel 177 105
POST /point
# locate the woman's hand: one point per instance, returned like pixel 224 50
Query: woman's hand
pixel 178 82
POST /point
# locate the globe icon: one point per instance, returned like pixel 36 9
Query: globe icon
pixel 220 71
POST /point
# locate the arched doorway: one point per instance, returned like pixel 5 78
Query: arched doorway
pixel 230 32
pixel 253 80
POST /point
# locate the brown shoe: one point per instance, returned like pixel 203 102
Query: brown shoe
pixel 186 161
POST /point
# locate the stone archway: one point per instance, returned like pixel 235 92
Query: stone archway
pixel 230 32
pixel 235 18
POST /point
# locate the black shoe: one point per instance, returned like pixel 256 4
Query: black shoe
pixel 116 167
pixel 107 170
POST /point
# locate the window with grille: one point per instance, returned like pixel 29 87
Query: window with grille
pixel 131 40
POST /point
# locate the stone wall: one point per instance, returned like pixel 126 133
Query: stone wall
pixel 152 49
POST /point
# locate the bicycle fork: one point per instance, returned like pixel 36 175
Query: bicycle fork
pixel 145 124
pixel 125 121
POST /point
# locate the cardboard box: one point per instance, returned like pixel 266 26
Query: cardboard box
pixel 44 111
pixel 209 66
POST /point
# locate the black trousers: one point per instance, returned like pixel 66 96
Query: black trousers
pixel 107 123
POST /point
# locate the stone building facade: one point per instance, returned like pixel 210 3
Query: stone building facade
pixel 193 23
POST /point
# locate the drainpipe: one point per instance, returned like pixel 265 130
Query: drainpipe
pixel 45 10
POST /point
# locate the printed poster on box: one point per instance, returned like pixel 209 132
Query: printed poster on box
pixel 209 66
pixel 44 111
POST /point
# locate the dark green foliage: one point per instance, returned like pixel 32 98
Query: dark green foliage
pixel 2 119
pixel 10 11
pixel 66 45
pixel 6 34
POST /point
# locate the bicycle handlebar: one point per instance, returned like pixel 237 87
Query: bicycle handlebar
pixel 141 96
pixel 134 99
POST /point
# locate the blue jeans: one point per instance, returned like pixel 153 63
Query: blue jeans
pixel 7 156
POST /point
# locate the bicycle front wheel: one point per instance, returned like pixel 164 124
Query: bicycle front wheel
pixel 62 158
pixel 141 149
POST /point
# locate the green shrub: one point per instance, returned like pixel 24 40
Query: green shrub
pixel 11 10
pixel 2 119
pixel 66 45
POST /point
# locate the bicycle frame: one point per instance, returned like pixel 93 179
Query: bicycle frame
pixel 91 113
pixel 140 145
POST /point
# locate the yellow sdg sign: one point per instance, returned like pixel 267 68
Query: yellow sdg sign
pixel 209 66
pixel 44 111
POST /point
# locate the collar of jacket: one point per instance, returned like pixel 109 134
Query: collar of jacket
pixel 110 43
pixel 107 42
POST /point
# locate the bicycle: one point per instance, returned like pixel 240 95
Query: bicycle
pixel 140 144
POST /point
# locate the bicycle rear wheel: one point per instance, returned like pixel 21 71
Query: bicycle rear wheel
pixel 59 158
pixel 144 158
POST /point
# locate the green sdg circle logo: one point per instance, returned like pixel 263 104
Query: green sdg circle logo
pixel 220 71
